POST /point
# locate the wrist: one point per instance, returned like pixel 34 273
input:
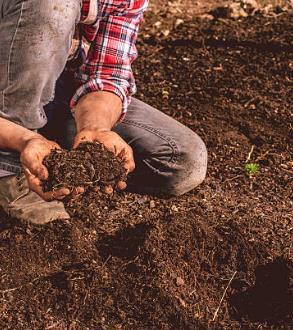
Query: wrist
pixel 92 129
pixel 98 111
pixel 26 138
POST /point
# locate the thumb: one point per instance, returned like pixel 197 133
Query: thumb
pixel 37 172
pixel 42 172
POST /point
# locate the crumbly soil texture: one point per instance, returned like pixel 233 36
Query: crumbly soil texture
pixel 219 257
pixel 90 165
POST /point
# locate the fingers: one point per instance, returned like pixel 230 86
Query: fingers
pixel 35 185
pixel 35 167
pixel 33 155
pixel 127 156
pixel 60 193
pixel 49 196
pixel 112 142
pixel 33 181
pixel 42 172
pixel 108 190
pixel 121 185
pixel 77 191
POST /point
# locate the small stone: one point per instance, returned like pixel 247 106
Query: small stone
pixel 158 24
pixel 179 281
pixel 174 208
pixel 152 204
pixel 178 22
pixel 165 33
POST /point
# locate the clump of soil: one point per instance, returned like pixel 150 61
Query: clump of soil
pixel 89 165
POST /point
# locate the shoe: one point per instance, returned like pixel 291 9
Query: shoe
pixel 19 202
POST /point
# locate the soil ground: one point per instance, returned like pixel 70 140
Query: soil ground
pixel 217 257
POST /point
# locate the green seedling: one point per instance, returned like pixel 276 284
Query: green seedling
pixel 251 169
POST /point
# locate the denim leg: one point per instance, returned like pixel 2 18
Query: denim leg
pixel 170 158
pixel 61 126
pixel 35 37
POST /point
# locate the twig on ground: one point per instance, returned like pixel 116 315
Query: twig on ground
pixel 21 286
pixel 104 264
pixel 234 178
pixel 129 262
pixel 261 157
pixel 223 296
pixel 250 154
pixel 52 326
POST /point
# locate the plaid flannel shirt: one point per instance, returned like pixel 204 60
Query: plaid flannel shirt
pixel 107 33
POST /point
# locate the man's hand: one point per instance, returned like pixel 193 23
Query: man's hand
pixel 31 156
pixel 95 115
pixel 112 142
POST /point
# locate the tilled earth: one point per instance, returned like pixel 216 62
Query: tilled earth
pixel 217 257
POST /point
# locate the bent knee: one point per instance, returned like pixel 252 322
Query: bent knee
pixel 51 26
pixel 56 16
pixel 193 168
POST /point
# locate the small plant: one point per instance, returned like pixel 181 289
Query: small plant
pixel 251 169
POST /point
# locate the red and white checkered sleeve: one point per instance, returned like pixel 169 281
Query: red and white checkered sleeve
pixel 108 64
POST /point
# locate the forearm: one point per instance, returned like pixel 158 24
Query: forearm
pixel 96 114
pixel 13 136
pixel 98 111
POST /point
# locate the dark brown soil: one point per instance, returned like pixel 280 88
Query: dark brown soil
pixel 90 165
pixel 217 257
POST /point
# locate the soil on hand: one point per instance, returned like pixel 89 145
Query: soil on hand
pixel 90 165
pixel 217 257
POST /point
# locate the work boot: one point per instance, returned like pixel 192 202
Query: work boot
pixel 19 202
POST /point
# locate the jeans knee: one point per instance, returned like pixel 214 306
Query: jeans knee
pixel 57 17
pixel 192 168
pixel 47 33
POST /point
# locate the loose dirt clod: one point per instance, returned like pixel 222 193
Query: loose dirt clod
pixel 89 165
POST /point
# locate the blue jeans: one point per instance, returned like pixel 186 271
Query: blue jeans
pixel 170 158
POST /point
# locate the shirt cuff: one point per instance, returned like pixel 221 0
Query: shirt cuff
pixel 95 85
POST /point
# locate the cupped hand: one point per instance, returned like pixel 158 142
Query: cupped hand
pixel 31 157
pixel 112 142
